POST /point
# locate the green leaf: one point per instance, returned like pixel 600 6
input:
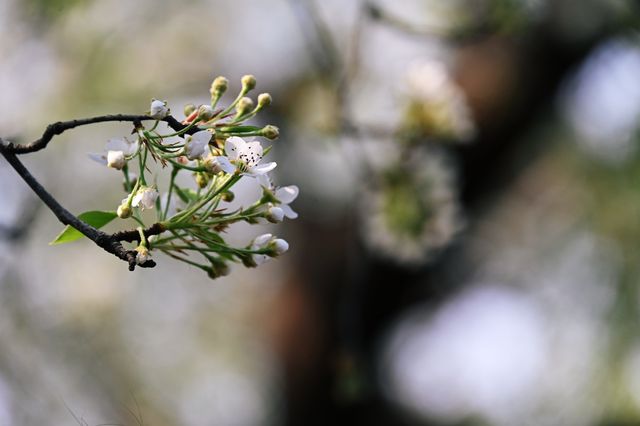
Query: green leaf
pixel 95 218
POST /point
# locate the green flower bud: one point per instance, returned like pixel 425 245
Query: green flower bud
pixel 205 112
pixel 188 109
pixel 248 82
pixel 227 196
pixel 244 106
pixel 124 210
pixel 264 99
pixel 219 268
pixel 219 86
pixel 270 132
pixel 202 180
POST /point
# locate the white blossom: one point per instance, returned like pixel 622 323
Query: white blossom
pixel 158 109
pixel 276 246
pixel 280 246
pixel 275 214
pixel 116 160
pixel 246 156
pixel 441 106
pixel 286 195
pixel 260 242
pixel 145 198
pixel 218 163
pixel 411 217
pixel 195 145
pixel 205 112
pixel 117 151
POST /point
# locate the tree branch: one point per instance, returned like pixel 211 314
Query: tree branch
pixel 111 243
pixel 60 127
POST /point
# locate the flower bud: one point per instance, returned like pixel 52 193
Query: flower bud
pixel 227 196
pixel 248 82
pixel 158 109
pixel 124 211
pixel 264 99
pixel 189 109
pixel 202 180
pixel 219 86
pixel 219 268
pixel 279 246
pixel 274 214
pixel 270 132
pixel 205 112
pixel 244 106
pixel 116 160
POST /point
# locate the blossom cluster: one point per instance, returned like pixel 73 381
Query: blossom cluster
pixel 216 147
pixel 410 209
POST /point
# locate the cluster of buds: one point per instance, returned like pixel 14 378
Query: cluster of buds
pixel 218 149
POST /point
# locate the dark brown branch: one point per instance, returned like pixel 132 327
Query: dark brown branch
pixel 109 242
pixel 61 126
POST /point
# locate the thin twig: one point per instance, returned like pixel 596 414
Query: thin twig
pixel 111 243
pixel 60 127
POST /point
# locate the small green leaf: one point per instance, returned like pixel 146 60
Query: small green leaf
pixel 95 218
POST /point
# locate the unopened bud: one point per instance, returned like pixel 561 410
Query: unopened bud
pixel 274 214
pixel 158 109
pixel 227 196
pixel 264 99
pixel 270 132
pixel 279 246
pixel 205 112
pixel 189 109
pixel 218 269
pixel 124 211
pixel 219 86
pixel 202 180
pixel 116 160
pixel 244 106
pixel 248 82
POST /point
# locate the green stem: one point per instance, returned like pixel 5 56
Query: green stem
pixel 174 172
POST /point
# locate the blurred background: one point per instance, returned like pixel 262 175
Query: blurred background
pixel 467 251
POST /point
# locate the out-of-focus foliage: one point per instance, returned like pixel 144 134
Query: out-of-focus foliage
pixel 388 310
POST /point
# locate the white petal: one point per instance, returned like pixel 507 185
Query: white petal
pixel 203 136
pixel 136 199
pixel 132 147
pixel 276 214
pixel 280 245
pixel 287 194
pixel 262 168
pixel 158 109
pixel 117 144
pixel 288 211
pixel 100 158
pixel 251 154
pixel 225 164
pixel 116 160
pixel 264 180
pixel 261 240
pixel 259 259
pixel 234 146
